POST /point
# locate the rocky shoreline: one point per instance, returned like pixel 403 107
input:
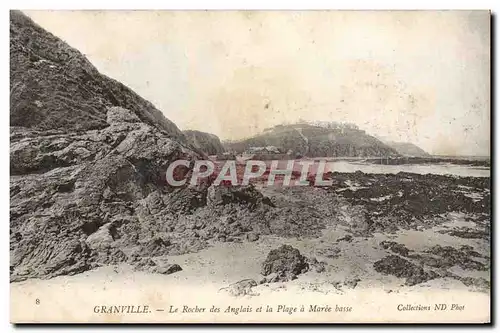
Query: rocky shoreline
pixel 190 219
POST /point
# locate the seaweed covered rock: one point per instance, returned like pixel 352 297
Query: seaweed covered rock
pixel 286 261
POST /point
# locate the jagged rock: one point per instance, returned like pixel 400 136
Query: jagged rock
pixel 155 246
pixel 317 266
pixel 63 191
pixel 468 233
pixel 286 261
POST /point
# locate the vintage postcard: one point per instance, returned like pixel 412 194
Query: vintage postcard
pixel 250 166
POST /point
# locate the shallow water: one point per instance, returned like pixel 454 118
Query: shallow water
pixel 439 168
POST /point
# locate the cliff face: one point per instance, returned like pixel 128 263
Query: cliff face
pixel 205 142
pixel 408 149
pixel 87 160
pixel 316 141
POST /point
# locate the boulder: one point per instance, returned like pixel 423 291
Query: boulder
pixel 286 261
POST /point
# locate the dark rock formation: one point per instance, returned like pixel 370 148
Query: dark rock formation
pixel 481 283
pixel 439 258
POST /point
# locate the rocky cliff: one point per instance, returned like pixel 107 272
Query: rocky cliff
pixel 408 149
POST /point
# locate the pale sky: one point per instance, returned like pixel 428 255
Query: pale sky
pixel 421 77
